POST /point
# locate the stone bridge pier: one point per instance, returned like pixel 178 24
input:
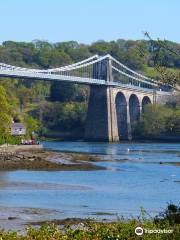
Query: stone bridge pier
pixel 113 112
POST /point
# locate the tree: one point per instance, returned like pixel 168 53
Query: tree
pixel 32 125
pixel 100 47
pixel 165 54
pixel 155 58
pixel 62 92
pixel 173 122
pixel 154 120
pixel 5 118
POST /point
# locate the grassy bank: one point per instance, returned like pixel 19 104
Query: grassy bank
pixel 98 231
pixel 164 226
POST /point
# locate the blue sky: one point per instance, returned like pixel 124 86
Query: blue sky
pixel 88 20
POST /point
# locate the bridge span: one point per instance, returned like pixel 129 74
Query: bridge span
pixel 117 93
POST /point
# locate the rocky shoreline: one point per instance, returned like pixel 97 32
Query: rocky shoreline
pixel 19 158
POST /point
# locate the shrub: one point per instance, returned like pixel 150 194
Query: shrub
pixel 158 120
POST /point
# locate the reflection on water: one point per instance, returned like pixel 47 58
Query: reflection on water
pixel 133 179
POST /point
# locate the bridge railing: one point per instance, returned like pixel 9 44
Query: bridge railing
pixel 92 70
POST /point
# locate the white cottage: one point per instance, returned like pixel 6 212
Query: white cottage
pixel 18 129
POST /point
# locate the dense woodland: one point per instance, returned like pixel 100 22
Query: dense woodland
pixel 54 107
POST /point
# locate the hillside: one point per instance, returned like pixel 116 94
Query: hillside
pixel 46 107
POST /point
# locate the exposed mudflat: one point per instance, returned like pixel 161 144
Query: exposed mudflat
pixel 46 160
pixel 20 218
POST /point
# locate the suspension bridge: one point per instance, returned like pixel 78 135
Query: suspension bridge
pixel 117 97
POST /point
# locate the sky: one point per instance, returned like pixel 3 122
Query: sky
pixel 87 21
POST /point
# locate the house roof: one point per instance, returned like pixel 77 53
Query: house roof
pixel 18 125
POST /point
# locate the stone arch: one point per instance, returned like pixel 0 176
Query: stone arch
pixel 134 111
pixel 121 113
pixel 146 100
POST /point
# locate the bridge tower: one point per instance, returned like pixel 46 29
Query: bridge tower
pixel 117 95
pixel 101 122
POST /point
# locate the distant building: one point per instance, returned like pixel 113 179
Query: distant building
pixel 18 129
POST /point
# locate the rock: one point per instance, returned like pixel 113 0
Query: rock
pixel 11 218
pixel 31 159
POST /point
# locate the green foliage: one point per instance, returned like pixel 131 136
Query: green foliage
pixel 101 47
pixel 9 110
pixel 5 118
pixel 173 122
pixel 171 214
pixel 135 54
pixel 165 54
pixel 8 139
pixel 62 116
pixel 32 125
pixel 121 230
pixel 159 119
pixel 25 98
pixel 62 92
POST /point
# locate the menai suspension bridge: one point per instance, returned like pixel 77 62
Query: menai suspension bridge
pixel 97 70
pixel 117 93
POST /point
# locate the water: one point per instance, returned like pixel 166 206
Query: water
pixel 133 179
